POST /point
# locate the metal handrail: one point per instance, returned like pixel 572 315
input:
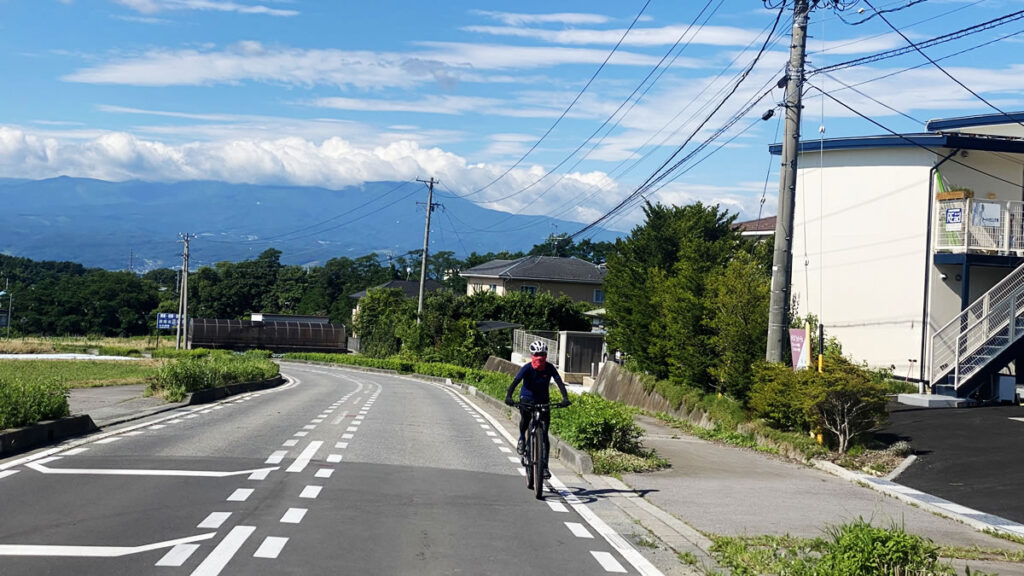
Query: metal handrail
pixel 960 339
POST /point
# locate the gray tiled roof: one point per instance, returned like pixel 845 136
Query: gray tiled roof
pixel 410 288
pixel 539 268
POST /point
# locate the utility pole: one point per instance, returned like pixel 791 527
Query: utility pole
pixel 782 260
pixel 181 335
pixel 426 239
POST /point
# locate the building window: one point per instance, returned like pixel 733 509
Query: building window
pixel 493 287
pixel 598 296
pixel 528 289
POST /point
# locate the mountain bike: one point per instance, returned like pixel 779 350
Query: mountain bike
pixel 535 455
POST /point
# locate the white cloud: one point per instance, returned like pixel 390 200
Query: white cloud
pixel 454 105
pixel 155 6
pixel 444 63
pixel 571 18
pixel 663 36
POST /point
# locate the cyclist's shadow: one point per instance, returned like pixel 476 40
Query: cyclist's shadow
pixel 591 496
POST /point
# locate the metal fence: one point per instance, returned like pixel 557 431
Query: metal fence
pixel 973 225
pixel 276 336
pixel 521 340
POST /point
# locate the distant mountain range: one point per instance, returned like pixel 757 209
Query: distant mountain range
pixel 112 224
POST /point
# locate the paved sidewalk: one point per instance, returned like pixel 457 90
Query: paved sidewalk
pixel 110 405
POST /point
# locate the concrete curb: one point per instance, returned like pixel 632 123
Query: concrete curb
pixel 21 440
pixel 978 520
pixel 214 394
pixel 579 461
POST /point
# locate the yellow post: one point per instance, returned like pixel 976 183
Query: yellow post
pixel 821 363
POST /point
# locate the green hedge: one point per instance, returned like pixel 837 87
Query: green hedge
pixel 193 353
pixel 594 423
pixel 185 375
pixel 26 402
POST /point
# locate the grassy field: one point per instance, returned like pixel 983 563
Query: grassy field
pixel 79 344
pixel 82 373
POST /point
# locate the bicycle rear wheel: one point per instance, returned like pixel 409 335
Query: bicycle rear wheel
pixel 537 464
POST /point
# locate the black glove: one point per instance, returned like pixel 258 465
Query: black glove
pixel 508 401
pixel 564 404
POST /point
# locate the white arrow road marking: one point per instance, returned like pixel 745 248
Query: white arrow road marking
pixel 94 551
pixel 41 467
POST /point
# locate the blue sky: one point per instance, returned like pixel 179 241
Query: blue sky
pixel 336 93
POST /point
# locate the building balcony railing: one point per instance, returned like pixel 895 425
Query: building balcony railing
pixel 970 225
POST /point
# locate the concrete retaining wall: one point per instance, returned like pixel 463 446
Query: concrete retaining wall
pixel 615 383
pixel 43 433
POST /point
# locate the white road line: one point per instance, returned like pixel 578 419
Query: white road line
pixel 104 441
pixel 556 506
pixel 261 474
pixel 157 427
pixel 7 473
pixel 293 515
pixel 303 460
pixel 271 547
pixel 341 445
pixel 192 416
pixel 608 562
pixel 352 429
pixel 347 436
pixel 176 421
pixel 240 495
pixel 41 467
pixel 316 420
pixel 324 472
pixel 309 427
pixel 224 551
pixel 492 433
pixel 277 456
pixel 311 492
pixel 334 458
pixel 218 407
pixel 94 551
pixel 514 459
pixel 1018 419
pixel 522 471
pixel 290 443
pixel 302 434
pixel 505 449
pixel 214 520
pixel 578 530
pixel 135 432
pixel 497 440
pixel 75 451
pixel 178 555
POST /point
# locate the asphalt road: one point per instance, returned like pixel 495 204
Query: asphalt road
pixel 337 472
pixel 971 456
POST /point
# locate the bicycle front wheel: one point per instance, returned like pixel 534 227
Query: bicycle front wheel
pixel 537 465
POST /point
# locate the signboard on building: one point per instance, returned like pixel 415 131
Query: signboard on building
pixel 166 320
pixel 986 214
pixel 954 219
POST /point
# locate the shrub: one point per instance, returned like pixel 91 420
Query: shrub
pixel 615 462
pixel 593 423
pixel 781 396
pixel 859 548
pixel 26 402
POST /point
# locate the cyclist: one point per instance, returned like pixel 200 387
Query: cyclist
pixel 536 376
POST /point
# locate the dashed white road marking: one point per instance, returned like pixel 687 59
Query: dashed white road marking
pixel 293 515
pixel 224 551
pixel 261 474
pixel 176 421
pixel 309 427
pixel 341 445
pixel 311 492
pixel 352 429
pixel 522 471
pixel 556 506
pixel 302 434
pixel 290 443
pixel 324 472
pixel 277 456
pixel 214 520
pixel 514 459
pixel 608 562
pixel 506 450
pixel 178 555
pixel 303 460
pixel 136 432
pixel 271 547
pixel 347 436
pixel 497 440
pixel 334 458
pixel 240 495
pixel 578 530
pixel 218 407
pixel 75 451
pixel 192 416
pixel 104 441
pixel 156 427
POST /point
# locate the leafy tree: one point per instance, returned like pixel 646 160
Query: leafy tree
pixel 737 316
pixel 563 246
pixel 382 313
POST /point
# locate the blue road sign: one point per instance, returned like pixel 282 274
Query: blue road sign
pixel 166 320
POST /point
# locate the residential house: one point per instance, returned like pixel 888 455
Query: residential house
pixel 578 279
pixel 909 248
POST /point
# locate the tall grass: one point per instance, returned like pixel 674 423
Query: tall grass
pixel 82 373
pixel 179 377
pixel 24 402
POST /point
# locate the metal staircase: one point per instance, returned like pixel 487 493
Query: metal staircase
pixel 979 341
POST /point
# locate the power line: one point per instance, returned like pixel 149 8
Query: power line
pixel 655 177
pixel 937 65
pixel 571 104
pixel 879 13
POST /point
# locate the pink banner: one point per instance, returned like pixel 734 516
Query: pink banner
pixel 797 341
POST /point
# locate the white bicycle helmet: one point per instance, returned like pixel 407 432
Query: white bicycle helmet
pixel 538 347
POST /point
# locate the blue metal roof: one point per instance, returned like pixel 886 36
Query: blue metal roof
pixel 941 124
pixel 952 140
